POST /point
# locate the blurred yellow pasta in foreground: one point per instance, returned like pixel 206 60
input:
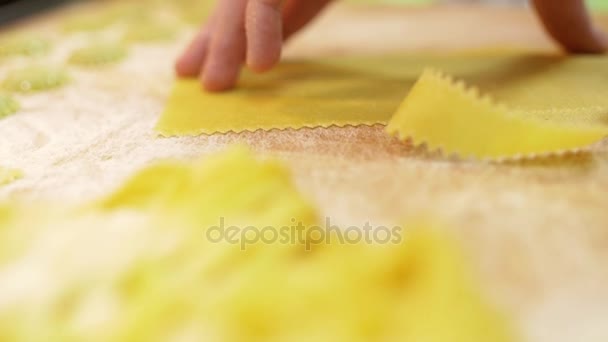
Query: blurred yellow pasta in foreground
pixel 139 266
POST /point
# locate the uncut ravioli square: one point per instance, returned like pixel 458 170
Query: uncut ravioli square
pixel 295 95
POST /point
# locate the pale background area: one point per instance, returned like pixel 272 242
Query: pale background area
pixel 537 233
pixel 595 4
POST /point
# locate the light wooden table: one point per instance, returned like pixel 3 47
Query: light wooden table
pixel 536 233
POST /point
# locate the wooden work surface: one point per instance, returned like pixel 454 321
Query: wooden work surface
pixel 536 232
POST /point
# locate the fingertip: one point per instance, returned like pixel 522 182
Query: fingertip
pixel 215 86
pixel 219 80
pixel 264 64
pixel 571 25
pixel 185 69
pixel 594 44
pixel 190 62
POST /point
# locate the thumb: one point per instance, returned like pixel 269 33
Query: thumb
pixel 569 23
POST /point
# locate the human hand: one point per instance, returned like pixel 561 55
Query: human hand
pixel 569 23
pixel 252 32
pixel 241 32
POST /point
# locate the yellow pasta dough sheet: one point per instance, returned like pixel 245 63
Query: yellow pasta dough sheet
pixel 448 115
pixel 139 266
pixel 369 90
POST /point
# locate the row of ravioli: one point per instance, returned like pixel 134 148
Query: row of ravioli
pixel 138 22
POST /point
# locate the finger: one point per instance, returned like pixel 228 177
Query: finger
pixel 227 47
pixel 190 63
pixel 298 13
pixel 570 24
pixel 264 34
